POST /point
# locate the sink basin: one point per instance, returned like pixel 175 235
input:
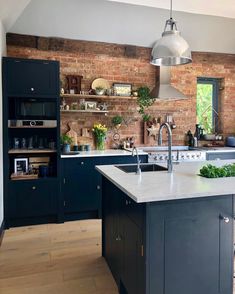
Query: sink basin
pixel 131 168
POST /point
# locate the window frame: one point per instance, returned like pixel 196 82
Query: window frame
pixel 215 98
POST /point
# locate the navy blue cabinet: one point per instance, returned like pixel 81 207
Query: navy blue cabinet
pixel 26 200
pixel 26 77
pixel 183 246
pixel 122 240
pixel 82 185
pixel 32 198
pixel 190 246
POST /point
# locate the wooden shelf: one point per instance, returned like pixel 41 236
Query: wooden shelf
pixel 24 151
pixel 97 96
pixel 91 111
pixel 32 127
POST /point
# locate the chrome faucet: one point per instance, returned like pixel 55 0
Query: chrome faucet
pixel 169 133
pixel 134 150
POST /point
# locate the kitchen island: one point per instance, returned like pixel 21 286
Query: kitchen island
pixel 168 233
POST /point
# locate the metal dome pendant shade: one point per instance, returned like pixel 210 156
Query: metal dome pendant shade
pixel 171 49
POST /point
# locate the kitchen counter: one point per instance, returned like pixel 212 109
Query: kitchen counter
pixel 183 183
pixel 95 153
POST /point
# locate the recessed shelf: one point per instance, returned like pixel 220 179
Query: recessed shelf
pixel 24 151
pixel 91 111
pixel 32 127
pixel 97 96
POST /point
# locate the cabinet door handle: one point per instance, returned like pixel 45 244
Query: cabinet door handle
pixel 33 188
pixel 225 219
pixel 82 163
pixel 32 89
pixel 98 187
pixel 127 203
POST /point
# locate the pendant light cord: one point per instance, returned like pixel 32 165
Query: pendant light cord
pixel 171 10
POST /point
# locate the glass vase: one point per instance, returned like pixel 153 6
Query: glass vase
pixel 100 142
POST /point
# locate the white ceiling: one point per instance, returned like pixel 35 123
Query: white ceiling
pixel 10 10
pixel 224 8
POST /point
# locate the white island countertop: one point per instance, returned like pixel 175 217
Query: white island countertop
pixel 183 183
pixel 98 153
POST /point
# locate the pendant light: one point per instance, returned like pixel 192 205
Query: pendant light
pixel 171 49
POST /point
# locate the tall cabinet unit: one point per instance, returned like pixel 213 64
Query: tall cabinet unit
pixel 31 146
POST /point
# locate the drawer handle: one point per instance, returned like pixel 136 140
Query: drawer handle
pixel 33 188
pixel 32 89
pixel 82 163
pixel 128 202
pixel 225 219
pixel 98 187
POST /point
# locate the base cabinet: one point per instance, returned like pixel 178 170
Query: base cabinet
pixel 82 184
pixel 32 200
pixel 190 246
pixel 183 246
pixel 122 242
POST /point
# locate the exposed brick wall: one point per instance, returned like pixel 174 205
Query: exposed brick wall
pixel 93 60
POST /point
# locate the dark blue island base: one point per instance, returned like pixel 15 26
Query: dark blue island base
pixel 168 247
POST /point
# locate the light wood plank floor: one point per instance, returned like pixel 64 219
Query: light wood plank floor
pixel 55 259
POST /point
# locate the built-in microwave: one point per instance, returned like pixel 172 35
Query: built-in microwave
pixel 33 109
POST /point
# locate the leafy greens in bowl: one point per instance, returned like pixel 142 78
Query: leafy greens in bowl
pixel 212 171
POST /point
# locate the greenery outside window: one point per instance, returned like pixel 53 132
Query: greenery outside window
pixel 207 104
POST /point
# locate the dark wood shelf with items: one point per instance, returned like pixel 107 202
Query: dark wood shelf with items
pixel 30 151
pixel 87 111
pixel 31 120
pixel 88 96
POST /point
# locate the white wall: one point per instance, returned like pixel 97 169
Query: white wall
pixel 100 20
pixel 2 53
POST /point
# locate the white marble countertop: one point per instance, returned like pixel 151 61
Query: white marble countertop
pixel 95 153
pixel 183 183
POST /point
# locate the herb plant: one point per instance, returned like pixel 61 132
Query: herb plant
pixel 212 171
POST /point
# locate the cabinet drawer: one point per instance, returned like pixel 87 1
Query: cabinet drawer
pixel 32 198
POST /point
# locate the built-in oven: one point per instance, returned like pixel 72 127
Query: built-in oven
pixel 32 109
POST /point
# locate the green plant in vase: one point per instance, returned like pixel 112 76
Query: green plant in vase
pixel 99 132
pixel 144 100
pixel 117 121
pixel 65 142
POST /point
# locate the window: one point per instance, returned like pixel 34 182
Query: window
pixel 207 104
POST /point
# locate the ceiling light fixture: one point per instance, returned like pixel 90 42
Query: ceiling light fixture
pixel 171 49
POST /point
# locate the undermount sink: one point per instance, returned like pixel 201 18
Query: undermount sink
pixel 132 168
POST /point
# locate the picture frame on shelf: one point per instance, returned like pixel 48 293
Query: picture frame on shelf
pixel 21 165
pixel 90 105
pixel 122 89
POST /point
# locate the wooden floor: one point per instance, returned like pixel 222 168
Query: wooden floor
pixel 55 259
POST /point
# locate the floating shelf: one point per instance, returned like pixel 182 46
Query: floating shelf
pixel 23 151
pixel 97 96
pixel 91 111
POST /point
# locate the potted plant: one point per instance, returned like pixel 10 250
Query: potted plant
pixel 100 132
pixel 117 121
pixel 144 100
pixel 100 90
pixel 66 141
